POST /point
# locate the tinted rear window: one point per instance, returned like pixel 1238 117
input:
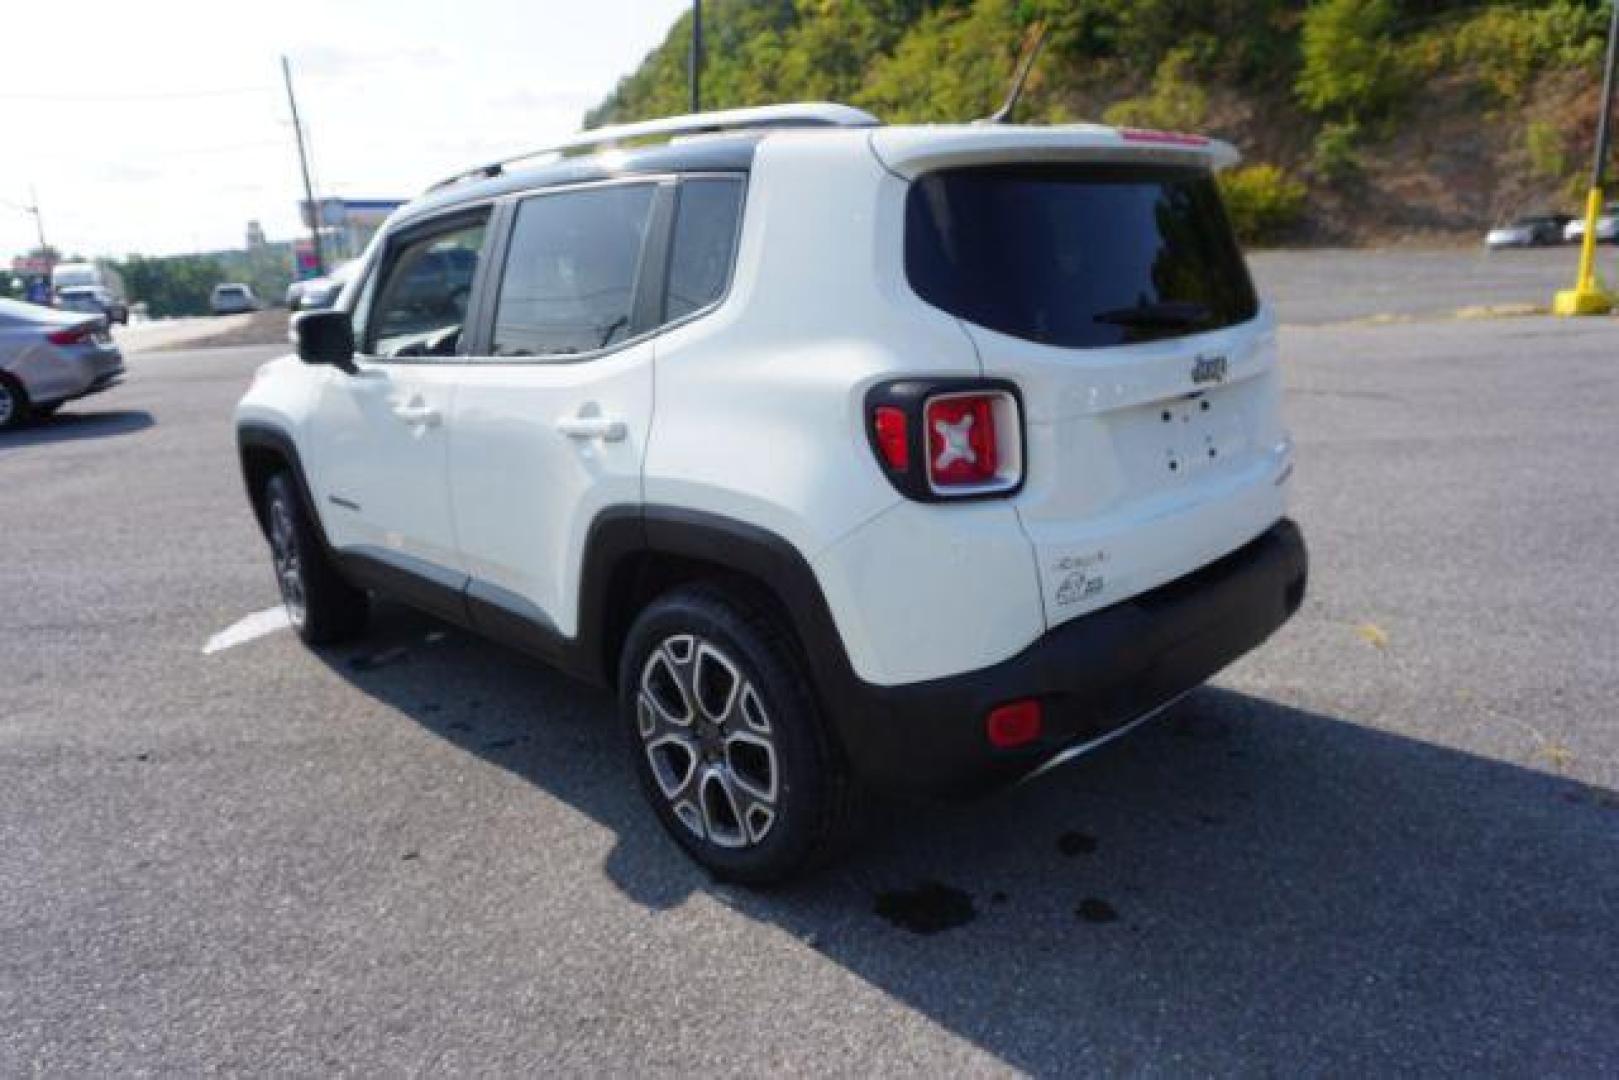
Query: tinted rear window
pixel 1077 255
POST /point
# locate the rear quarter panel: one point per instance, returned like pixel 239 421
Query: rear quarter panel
pixel 760 417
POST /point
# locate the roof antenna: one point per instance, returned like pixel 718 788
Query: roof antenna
pixel 1032 42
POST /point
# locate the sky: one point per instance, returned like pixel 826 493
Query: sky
pixel 162 126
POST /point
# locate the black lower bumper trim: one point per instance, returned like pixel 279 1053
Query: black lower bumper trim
pixel 1092 675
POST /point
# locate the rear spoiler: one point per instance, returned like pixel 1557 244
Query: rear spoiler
pixel 911 151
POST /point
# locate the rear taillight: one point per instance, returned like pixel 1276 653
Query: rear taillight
pixel 948 438
pixel 72 335
pixel 892 433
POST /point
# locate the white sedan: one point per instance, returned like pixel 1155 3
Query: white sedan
pixel 1607 226
pixel 48 357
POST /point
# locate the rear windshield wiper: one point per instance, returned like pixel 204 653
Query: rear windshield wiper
pixel 1170 313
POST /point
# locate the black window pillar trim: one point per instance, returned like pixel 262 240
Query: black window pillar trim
pixel 652 272
pixel 480 328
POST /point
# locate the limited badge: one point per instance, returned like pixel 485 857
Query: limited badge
pixel 1082 577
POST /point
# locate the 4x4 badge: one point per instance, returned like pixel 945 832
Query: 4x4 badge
pixel 1209 369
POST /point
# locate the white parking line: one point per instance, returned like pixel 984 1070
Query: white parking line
pixel 254 626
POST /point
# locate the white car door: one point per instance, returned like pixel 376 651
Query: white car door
pixel 552 416
pixel 380 435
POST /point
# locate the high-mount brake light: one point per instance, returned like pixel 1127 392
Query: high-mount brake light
pixel 1162 138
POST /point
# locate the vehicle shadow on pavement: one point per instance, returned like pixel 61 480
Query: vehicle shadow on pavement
pixel 74 426
pixel 1240 883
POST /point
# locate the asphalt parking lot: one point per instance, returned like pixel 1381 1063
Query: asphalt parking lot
pixel 1387 841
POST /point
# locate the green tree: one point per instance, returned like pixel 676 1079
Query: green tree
pixel 178 285
pixel 1262 201
pixel 1176 102
pixel 1351 67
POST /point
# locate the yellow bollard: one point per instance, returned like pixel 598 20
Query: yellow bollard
pixel 1587 296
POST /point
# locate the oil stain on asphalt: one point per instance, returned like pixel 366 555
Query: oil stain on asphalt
pixel 1096 911
pixel 927 909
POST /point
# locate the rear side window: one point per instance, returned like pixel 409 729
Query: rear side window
pixel 704 244
pixel 569 285
pixel 1077 255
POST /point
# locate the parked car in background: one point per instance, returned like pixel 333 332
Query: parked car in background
pixel 233 298
pixel 48 357
pixel 93 300
pixel 85 286
pixel 320 293
pixel 1536 230
pixel 1607 226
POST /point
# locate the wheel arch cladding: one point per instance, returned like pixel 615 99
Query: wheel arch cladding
pixel 265 451
pixel 633 558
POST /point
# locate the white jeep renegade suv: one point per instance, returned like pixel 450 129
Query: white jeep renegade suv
pixel 915 457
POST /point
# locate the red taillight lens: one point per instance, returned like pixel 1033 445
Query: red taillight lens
pixel 72 335
pixel 973 442
pixel 1014 724
pixel 893 437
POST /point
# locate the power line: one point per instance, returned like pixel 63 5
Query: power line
pixel 164 95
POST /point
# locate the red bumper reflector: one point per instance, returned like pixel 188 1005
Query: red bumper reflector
pixel 1014 724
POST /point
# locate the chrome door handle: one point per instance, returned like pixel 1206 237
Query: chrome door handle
pixel 415 414
pixel 593 426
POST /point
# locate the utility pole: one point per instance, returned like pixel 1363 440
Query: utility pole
pixel 303 166
pixel 1587 296
pixel 39 224
pixel 44 248
pixel 695 66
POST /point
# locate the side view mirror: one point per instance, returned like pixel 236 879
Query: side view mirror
pixel 325 337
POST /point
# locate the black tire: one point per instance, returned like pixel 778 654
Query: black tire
pixel 322 607
pixel 688 646
pixel 40 412
pixel 15 410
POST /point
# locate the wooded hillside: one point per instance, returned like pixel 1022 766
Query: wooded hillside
pixel 1360 120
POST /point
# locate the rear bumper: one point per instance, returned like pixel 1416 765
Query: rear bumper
pixel 104 380
pixel 1093 675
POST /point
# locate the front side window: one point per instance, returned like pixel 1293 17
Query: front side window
pixel 571 270
pixel 423 293
pixel 704 244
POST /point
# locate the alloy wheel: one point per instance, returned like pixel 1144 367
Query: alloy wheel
pixel 289 571
pixel 709 742
pixel 8 405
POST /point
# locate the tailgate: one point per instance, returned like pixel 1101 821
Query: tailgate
pixel 1114 295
